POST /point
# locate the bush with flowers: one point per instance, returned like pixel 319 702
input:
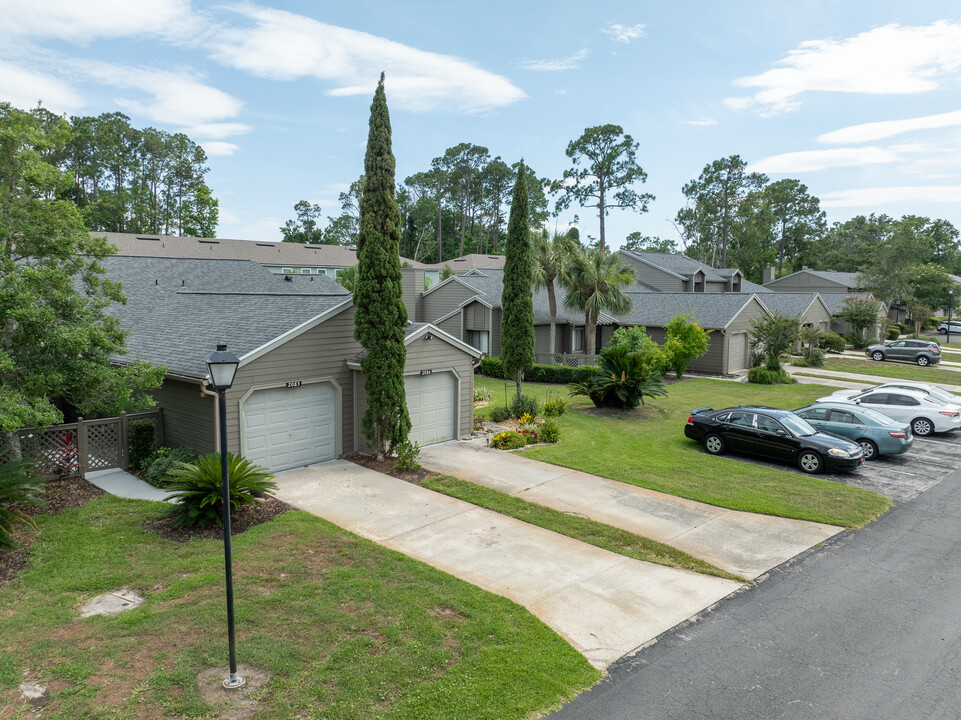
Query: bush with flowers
pixel 510 440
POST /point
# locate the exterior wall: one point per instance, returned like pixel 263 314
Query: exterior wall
pixel 606 332
pixel 652 276
pixel 715 287
pixel 435 355
pixel 413 286
pixel 320 352
pixel 189 417
pixel 817 315
pixel 496 348
pixel 804 282
pixel 439 302
pixel 454 325
pixel 476 317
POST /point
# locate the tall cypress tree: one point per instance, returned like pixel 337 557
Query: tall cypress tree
pixel 381 316
pixel 517 325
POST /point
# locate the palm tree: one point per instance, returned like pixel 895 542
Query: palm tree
pixel 551 257
pixel 595 280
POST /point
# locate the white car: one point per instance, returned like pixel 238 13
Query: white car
pixel 924 412
pixel 926 388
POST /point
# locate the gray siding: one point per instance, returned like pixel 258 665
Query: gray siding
pixel 742 321
pixel 477 317
pixel 454 326
pixel 189 417
pixel 652 276
pixel 439 302
pixel 413 286
pixel 496 348
pixel 322 351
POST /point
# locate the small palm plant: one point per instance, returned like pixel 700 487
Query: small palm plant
pixel 623 379
pixel 17 487
pixel 196 488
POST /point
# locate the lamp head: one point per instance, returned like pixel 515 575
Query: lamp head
pixel 221 366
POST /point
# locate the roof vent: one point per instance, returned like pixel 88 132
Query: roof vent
pixel 288 278
pixel 156 283
pixel 140 237
pixel 183 283
pixel 210 242
pixel 264 244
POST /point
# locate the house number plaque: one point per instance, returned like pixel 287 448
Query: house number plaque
pixel 294 383
pixel 426 372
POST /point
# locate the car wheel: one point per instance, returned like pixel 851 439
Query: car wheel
pixel 714 444
pixel 942 331
pixel 922 360
pixel 810 462
pixel 922 426
pixel 869 448
pixel 877 355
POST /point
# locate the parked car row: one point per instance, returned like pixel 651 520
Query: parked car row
pixel 836 433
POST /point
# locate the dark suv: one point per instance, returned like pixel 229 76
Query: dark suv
pixel 923 352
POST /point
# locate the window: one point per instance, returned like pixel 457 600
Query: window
pixel 875 399
pixel 478 339
pixel 814 414
pixel 768 424
pixel 743 419
pixel 577 340
pixel 902 400
pixel 840 416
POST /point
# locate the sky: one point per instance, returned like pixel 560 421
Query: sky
pixel 859 100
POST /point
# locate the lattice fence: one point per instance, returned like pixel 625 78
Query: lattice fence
pixel 565 359
pixel 73 449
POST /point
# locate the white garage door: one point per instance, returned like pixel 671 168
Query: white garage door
pixel 431 400
pixel 737 353
pixel 290 427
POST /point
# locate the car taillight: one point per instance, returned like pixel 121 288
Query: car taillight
pixel 900 434
pixel 950 414
pixel 935 350
pixel 690 420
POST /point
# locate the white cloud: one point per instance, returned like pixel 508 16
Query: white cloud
pixel 176 98
pixel 703 122
pixel 283 46
pixel 868 132
pixel 23 88
pixel 216 148
pixel 217 131
pixel 886 60
pixel 872 197
pixel 80 22
pixel 624 33
pixel 560 92
pixel 810 160
pixel 571 62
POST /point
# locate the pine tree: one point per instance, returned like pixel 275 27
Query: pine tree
pixel 381 316
pixel 517 326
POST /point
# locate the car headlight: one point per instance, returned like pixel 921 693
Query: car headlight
pixel 838 452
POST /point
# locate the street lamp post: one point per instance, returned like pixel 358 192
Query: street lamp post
pixel 221 365
pixel 950 303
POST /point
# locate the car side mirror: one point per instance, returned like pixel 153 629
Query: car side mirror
pixel 782 433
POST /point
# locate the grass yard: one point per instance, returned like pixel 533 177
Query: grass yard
pixel 647 447
pixel 347 629
pixel 902 371
pixel 584 529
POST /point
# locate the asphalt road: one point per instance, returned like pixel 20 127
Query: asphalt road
pixel 866 626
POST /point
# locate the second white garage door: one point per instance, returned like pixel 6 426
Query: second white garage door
pixel 431 402
pixel 737 352
pixel 290 427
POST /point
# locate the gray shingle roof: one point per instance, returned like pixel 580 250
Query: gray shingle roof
pixel 711 310
pixel 835 301
pixel 178 310
pixel 848 279
pixel 790 304
pixel 408 331
pixel 682 265
pixel 748 287
pixel 471 262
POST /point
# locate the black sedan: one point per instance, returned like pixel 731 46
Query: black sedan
pixel 774 434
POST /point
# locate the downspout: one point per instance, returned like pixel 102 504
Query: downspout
pixel 205 392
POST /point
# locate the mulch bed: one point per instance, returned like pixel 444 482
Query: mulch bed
pixel 59 494
pixel 246 517
pixel 387 467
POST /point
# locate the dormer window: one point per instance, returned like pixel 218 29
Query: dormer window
pixel 698 282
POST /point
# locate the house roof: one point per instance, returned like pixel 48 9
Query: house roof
pixel 682 265
pixel 416 330
pixel 712 310
pixel 471 262
pixel 843 279
pixel 791 304
pixel 179 309
pixel 748 287
pixel 835 301
pixel 265 253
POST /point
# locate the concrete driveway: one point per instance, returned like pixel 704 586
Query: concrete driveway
pixel 604 604
pixel 740 542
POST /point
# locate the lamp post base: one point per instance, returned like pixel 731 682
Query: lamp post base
pixel 233 682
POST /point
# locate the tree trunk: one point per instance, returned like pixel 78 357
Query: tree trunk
pixel 552 303
pixel 600 209
pixel 590 331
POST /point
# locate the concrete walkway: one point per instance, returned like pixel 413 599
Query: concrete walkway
pixel 853 380
pixel 604 604
pixel 740 542
pixel 123 484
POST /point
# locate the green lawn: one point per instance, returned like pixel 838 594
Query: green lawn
pixel 900 370
pixel 647 447
pixel 584 529
pixel 347 628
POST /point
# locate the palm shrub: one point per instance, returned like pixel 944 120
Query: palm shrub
pixel 18 486
pixel 550 431
pixel 555 407
pixel 623 379
pixel 197 490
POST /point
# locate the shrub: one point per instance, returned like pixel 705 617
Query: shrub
pixel 18 487
pixel 550 431
pixel 636 339
pixel 492 367
pixel 407 453
pixel 524 405
pixel 813 356
pixel 772 336
pixel 859 340
pixel 499 414
pixel 141 443
pixel 894 333
pixel 162 461
pixel 555 407
pixel 529 435
pixel 482 395
pixel 832 341
pixel 763 376
pixel 622 381
pixel 559 374
pixel 509 440
pixel 197 490
pixel 684 339
pixel 526 419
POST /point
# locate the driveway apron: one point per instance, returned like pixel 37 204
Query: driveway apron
pixel 740 542
pixel 604 604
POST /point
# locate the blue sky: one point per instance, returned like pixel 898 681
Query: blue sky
pixel 861 101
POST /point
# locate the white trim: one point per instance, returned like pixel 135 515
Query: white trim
pixel 338 410
pixel 457 394
pixel 442 283
pixel 449 315
pixel 293 332
pixel 437 332
pixel 468 301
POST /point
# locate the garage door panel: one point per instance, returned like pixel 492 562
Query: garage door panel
pixel 431 402
pixel 290 427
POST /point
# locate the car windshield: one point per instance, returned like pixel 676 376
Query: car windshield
pixel 798 426
pixel 876 416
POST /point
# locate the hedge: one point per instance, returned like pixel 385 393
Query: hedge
pixel 554 374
